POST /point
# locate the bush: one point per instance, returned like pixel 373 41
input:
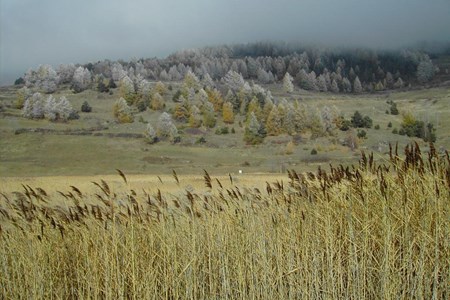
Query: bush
pixel 222 130
pixel 19 81
pixel 395 131
pixel 314 151
pixel 389 124
pixel 85 107
pixel 201 140
pixel 394 109
pixel 377 127
pixel 362 134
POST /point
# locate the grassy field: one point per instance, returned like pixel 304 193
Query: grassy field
pixel 373 227
pixel 373 232
pixel 95 144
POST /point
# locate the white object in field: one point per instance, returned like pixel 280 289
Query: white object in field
pixel 240 171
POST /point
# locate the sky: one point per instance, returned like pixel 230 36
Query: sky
pixel 34 32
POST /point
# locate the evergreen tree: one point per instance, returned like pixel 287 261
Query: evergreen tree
pixel 357 88
pixel 288 86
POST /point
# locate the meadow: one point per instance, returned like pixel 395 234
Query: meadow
pixel 89 209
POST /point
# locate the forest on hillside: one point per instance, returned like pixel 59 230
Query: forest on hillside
pixel 312 68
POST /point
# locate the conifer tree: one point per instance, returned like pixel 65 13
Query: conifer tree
pixel 288 86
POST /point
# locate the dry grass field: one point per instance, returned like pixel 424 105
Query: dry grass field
pixel 369 232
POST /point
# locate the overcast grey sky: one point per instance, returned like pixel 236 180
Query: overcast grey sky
pixel 34 32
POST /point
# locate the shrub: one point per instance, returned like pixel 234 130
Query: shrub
pixel 85 107
pixel 377 127
pixel 395 131
pixel 394 109
pixel 389 125
pixel 201 140
pixel 314 151
pixel 362 134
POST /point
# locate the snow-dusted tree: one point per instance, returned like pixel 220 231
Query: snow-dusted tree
pixel 122 112
pixel 165 125
pixel 150 134
pixel 117 72
pixel 265 77
pixel 126 88
pixel 57 109
pixel 174 74
pixel 81 79
pixel 207 81
pixel 201 97
pixel 45 79
pixel 306 81
pixel 253 131
pixel 399 83
pixel 234 81
pixel 334 86
pixel 22 95
pixel 425 70
pixel 191 81
pixel 389 80
pixel 321 83
pixel 328 119
pixel 164 76
pixel 65 73
pixel 346 85
pixel 33 107
pixel 357 87
pixel 288 86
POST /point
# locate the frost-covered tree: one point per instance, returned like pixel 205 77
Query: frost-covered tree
pixel 334 86
pixel 207 81
pixel 33 107
pixel 357 87
pixel 265 77
pixel 126 88
pixel 254 133
pixel 81 79
pixel 117 72
pixel 150 134
pixel 57 109
pixel 65 73
pixel 399 83
pixel 234 81
pixel 44 78
pixel 165 125
pixel 191 81
pixel 288 86
pixel 425 70
pixel 322 83
pixel 346 85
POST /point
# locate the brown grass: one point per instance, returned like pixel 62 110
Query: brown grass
pixel 367 232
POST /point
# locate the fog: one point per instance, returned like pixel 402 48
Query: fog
pixel 63 31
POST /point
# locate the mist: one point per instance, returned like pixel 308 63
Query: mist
pixel 62 31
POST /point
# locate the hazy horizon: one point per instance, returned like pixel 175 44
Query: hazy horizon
pixel 54 32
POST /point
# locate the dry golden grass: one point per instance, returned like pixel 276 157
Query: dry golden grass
pixel 372 232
